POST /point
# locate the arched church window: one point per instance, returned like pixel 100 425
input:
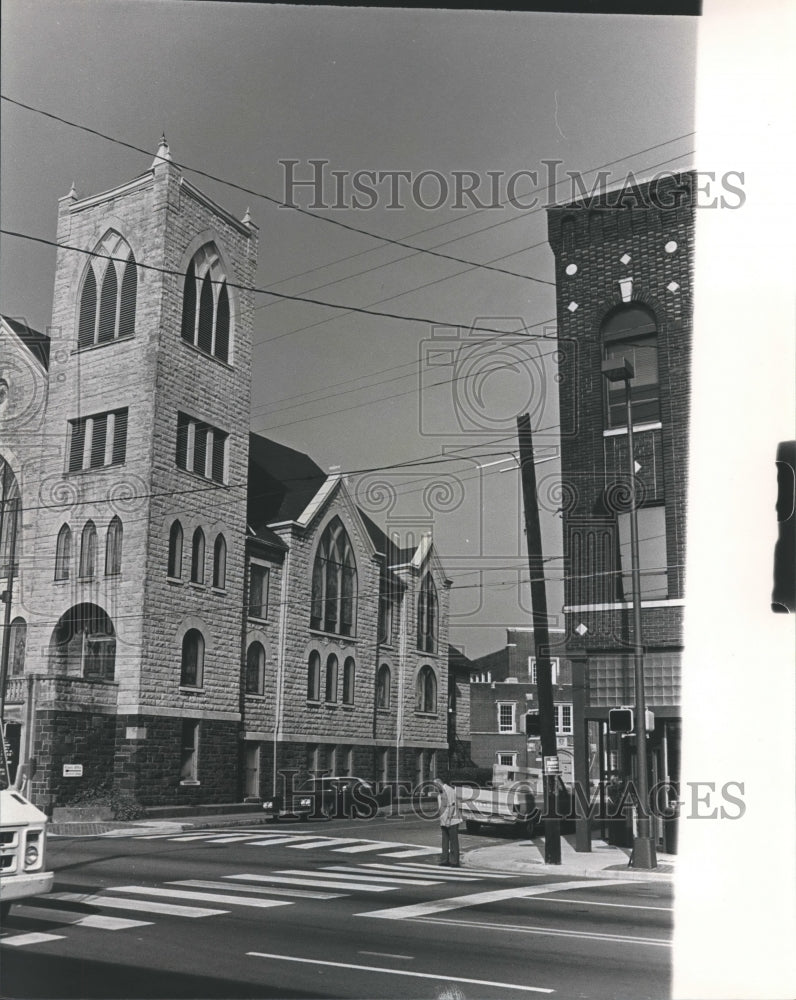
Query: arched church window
pixel 108 296
pixel 205 304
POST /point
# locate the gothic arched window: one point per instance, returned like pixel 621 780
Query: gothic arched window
pixel 427 616
pixel 113 547
pixel 220 563
pixel 334 582
pixel 175 551
pixel 205 304
pixel 349 674
pixel 63 553
pixel 198 557
pixel 19 638
pixel 193 659
pixel 426 690
pixel 108 296
pixel 88 551
pixel 383 687
pixel 255 668
pixel 314 677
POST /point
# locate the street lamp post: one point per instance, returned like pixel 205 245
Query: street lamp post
pixel 621 370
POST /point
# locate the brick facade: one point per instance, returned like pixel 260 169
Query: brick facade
pixel 625 255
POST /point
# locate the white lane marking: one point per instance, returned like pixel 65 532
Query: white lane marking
pixel 373 845
pixel 416 852
pixel 549 931
pixel 441 873
pixel 146 906
pixel 325 883
pixel 594 902
pixel 205 897
pixel 478 898
pixel 388 954
pixel 274 890
pixel 275 840
pixel 104 922
pixel 237 838
pixel 20 940
pixel 400 972
pixel 324 842
pixel 192 836
pixel 458 872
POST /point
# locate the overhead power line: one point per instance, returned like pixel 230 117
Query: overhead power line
pixel 264 291
pixel 276 201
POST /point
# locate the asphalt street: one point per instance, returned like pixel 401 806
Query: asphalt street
pixel 328 909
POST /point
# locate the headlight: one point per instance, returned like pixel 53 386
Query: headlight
pixel 305 803
pixel 268 805
pixel 31 855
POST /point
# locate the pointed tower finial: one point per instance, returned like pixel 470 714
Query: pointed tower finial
pixel 247 218
pixel 73 192
pixel 163 153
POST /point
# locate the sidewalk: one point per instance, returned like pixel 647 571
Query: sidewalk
pixel 603 861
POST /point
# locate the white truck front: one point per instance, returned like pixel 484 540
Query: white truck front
pixel 23 849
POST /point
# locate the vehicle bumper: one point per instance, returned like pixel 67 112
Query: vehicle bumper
pixel 19 886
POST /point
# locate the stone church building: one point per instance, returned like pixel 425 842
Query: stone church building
pixel 193 608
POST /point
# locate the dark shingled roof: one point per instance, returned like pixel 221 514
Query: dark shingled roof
pixel 282 482
pixel 37 343
pixel 395 555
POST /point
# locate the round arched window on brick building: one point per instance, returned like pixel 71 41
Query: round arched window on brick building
pixel 255 668
pixel 426 690
pixel 631 332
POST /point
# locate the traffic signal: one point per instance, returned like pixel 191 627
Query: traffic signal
pixel 532 725
pixel 620 720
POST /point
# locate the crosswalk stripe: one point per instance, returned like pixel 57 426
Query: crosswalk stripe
pixel 207 897
pixel 373 845
pixel 142 905
pixel 416 852
pixel 104 922
pixel 19 940
pixel 456 872
pixel 235 839
pixel 274 840
pixel 325 842
pixel 276 890
pixel 440 873
pixel 357 873
pixel 326 883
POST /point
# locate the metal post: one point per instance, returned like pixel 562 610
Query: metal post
pixel 643 845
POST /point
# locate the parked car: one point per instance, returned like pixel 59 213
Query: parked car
pixel 327 797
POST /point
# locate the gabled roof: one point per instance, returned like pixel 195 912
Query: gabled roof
pixel 282 482
pixel 395 556
pixel 37 343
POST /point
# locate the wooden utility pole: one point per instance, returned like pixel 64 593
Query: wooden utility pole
pixel 541 640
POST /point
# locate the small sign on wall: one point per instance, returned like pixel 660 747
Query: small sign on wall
pixel 73 771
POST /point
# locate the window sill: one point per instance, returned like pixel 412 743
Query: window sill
pixel 93 468
pixel 105 343
pixel 427 715
pixel 221 591
pixel 334 635
pixel 195 585
pixel 255 618
pixel 206 354
pixel 178 580
pixel 202 479
pixel 186 689
pixel 384 711
pixel 652 425
pixel 255 695
pixel 190 783
pixel 314 702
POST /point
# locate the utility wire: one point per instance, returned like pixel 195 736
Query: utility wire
pixel 260 291
pixel 276 201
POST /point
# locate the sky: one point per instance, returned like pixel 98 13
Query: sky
pixel 241 89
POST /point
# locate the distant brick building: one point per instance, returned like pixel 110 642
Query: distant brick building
pixel 624 288
pixel 503 689
pixel 195 607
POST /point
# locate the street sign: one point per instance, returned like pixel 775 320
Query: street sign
pixel 552 765
pixel 73 771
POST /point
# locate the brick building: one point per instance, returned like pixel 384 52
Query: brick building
pixel 195 608
pixel 503 689
pixel 624 288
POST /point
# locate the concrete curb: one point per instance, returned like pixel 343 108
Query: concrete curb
pixel 484 857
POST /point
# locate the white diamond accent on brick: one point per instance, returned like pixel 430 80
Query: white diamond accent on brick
pixel 581 629
pixel 625 259
pixel 672 286
pixel 572 306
